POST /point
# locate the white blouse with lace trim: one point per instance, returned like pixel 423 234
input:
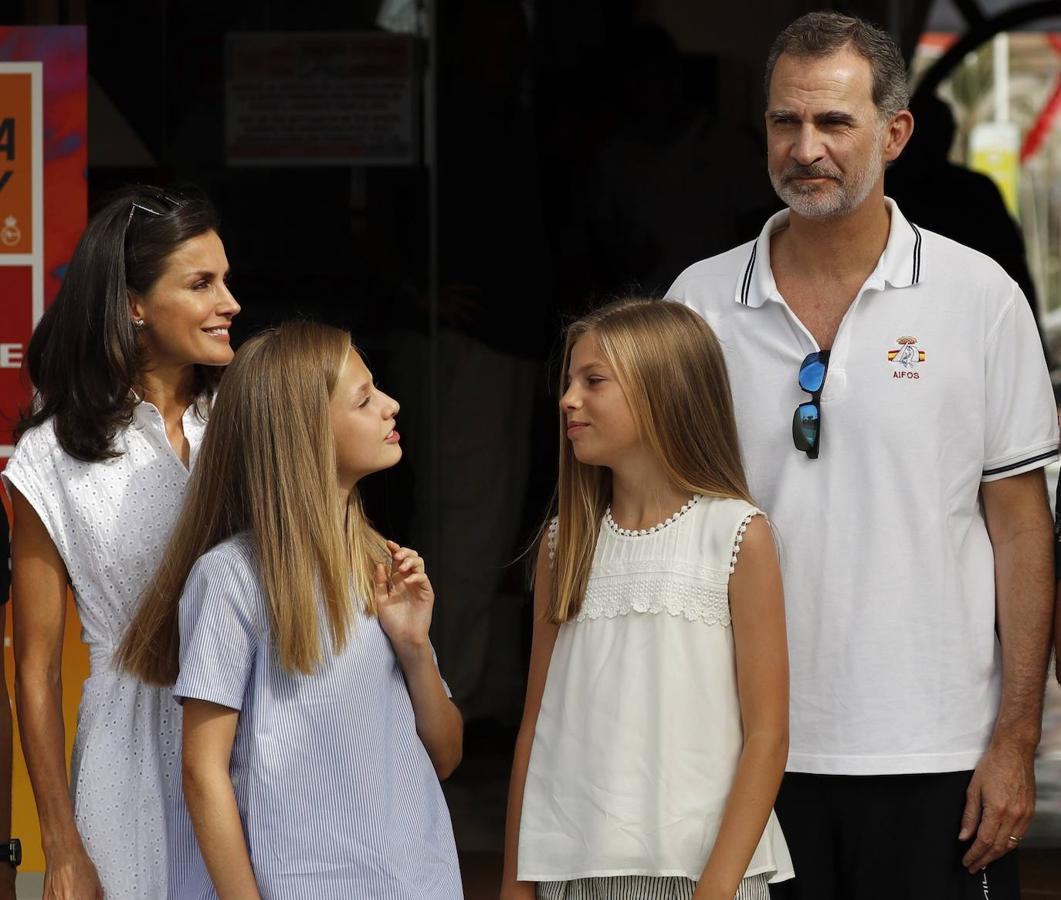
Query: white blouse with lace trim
pixel 639 732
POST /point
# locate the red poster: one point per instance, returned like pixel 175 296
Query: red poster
pixel 15 324
pixel 43 196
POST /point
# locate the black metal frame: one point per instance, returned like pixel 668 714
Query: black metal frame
pixel 981 29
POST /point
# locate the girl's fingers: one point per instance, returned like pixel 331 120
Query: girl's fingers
pixel 382 582
pixel 405 559
pixel 413 563
pixel 409 581
pixel 407 578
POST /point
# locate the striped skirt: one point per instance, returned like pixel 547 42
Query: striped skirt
pixel 641 887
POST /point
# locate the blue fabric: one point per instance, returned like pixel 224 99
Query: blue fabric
pixel 337 795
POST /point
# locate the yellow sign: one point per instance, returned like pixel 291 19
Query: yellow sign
pixel 994 149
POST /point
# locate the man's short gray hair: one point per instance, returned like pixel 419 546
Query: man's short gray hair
pixel 819 34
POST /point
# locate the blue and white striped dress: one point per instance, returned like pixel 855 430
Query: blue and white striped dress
pixel 337 795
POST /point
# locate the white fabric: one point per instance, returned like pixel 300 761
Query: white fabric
pixel 887 564
pixel 639 732
pixel 110 522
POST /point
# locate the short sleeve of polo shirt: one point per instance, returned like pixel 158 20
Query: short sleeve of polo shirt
pixel 220 630
pixel 1021 418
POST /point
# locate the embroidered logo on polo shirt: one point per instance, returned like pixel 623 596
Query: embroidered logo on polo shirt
pixel 906 357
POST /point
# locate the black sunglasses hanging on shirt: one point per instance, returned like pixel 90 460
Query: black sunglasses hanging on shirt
pixel 807 419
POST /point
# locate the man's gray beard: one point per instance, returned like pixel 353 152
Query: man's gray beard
pixel 837 200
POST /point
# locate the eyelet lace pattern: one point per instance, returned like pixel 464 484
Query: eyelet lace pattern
pixel 110 522
pixel 694 598
pixel 652 580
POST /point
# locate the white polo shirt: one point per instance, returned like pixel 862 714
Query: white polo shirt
pixel 936 383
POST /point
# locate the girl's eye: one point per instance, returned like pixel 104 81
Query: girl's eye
pixel 595 379
pixel 364 403
pixel 200 285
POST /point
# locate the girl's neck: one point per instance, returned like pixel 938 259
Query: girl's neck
pixel 170 389
pixel 644 496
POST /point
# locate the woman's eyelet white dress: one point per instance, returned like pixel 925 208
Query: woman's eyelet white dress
pixel 110 522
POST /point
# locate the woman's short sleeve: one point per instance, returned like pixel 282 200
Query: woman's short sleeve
pixel 36 470
pixel 221 629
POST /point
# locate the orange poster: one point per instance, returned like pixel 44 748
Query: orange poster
pixel 16 158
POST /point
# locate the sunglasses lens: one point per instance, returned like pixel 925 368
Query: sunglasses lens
pixel 806 426
pixel 812 374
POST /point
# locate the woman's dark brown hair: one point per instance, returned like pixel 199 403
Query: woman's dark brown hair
pixel 84 359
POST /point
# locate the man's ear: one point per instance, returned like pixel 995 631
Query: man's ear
pixel 897 133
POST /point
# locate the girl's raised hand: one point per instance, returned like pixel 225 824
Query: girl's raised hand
pixel 404 600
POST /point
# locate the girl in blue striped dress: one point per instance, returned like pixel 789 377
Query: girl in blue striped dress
pixel 316 723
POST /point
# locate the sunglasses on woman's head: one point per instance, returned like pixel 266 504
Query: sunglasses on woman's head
pixel 159 205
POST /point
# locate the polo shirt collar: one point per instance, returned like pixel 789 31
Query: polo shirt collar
pixel 898 267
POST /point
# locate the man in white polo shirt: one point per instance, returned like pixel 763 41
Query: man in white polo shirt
pixel 895 413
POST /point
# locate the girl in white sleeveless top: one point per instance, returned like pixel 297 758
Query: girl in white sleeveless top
pixel 655 730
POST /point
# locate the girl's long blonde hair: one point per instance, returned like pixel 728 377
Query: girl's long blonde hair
pixel 267 466
pixel 670 367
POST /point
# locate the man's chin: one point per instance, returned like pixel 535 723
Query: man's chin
pixel 807 206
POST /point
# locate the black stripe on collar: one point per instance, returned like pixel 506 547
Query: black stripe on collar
pixel 916 276
pixel 746 284
pixel 1023 462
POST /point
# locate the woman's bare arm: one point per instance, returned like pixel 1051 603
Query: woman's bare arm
pixel 39 587
pixel 7 873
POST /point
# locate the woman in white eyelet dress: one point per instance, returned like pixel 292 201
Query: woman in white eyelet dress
pixel 96 481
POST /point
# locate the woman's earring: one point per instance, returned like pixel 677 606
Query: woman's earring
pixel 138 323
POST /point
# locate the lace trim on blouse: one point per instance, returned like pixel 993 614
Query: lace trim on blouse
pixel 743 527
pixel 694 592
pixel 659 526
pixel 550 537
pixel 695 600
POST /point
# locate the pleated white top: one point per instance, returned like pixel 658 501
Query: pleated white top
pixel 639 734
